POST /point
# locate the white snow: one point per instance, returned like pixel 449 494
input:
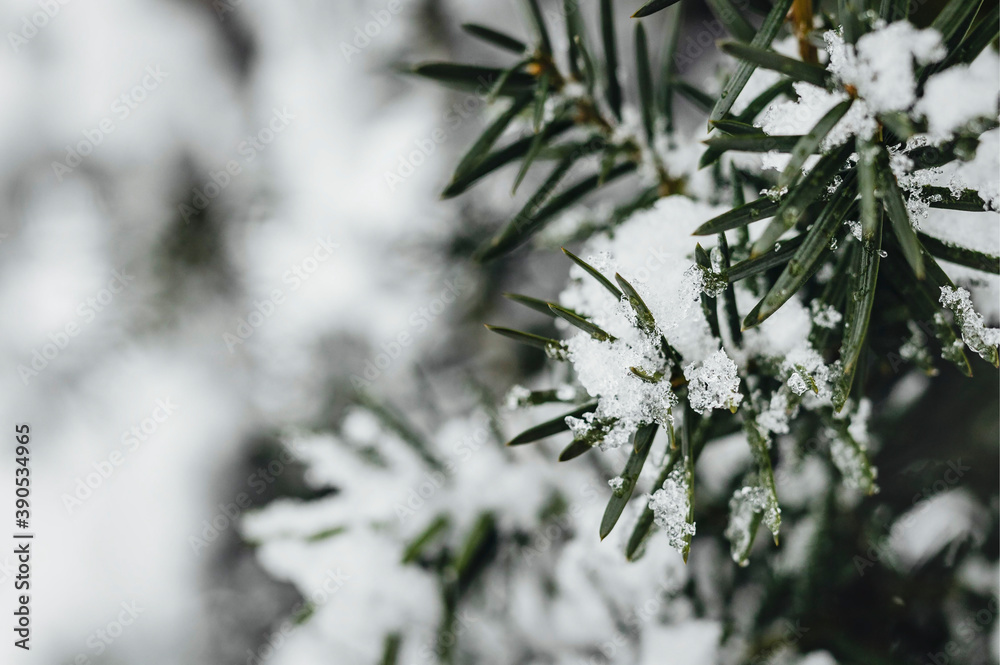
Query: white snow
pixel 932 524
pixel 849 462
pixel 980 172
pixel 696 640
pixel 975 334
pixel 797 384
pixel 745 502
pixel 670 507
pixel 653 252
pixel 714 384
pixel 826 316
pixel 955 96
pixel 880 65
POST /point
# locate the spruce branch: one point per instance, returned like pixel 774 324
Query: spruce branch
pixel 845 202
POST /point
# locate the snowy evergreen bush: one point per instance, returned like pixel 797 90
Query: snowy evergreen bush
pixel 849 130
pixel 766 252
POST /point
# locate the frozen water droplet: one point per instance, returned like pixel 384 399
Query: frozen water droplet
pixel 617 485
pixel 717 259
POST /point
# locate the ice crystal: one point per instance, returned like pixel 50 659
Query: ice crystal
pixel 825 316
pixel 774 193
pixel 714 384
pixel 808 364
pixel 717 259
pixel 745 503
pixel 709 282
pixel 976 335
pixel 855 227
pixel 797 384
pixel 775 417
pixel 852 463
pixel 611 433
pixel 670 506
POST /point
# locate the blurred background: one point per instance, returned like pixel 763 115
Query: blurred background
pixel 219 220
pixel 169 169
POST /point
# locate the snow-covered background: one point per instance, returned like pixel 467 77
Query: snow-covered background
pixel 169 170
pixel 201 251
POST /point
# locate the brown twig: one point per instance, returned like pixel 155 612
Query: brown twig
pixel 801 16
